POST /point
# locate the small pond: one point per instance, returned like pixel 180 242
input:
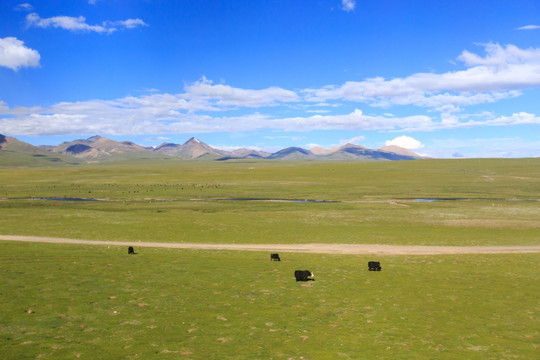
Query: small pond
pixel 60 199
pixel 274 200
pixel 471 199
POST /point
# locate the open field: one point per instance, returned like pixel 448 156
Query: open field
pixel 339 181
pixel 89 302
pixel 92 300
pixel 372 203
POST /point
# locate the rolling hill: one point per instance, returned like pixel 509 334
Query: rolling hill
pixel 18 153
pixel 98 149
pixel 191 149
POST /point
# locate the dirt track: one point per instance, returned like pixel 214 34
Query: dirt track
pixel 303 248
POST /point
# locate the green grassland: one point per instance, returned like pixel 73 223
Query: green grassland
pixel 190 201
pixel 349 181
pixel 97 302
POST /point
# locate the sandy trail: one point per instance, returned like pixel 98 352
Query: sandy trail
pixel 362 249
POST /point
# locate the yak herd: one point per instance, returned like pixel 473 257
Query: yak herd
pixel 299 275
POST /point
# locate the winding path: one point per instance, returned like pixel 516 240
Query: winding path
pixel 360 249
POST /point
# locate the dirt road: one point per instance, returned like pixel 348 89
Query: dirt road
pixel 365 249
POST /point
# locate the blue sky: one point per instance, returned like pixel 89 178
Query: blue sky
pixel 443 78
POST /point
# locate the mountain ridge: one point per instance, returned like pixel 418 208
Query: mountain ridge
pixel 97 148
pixel 14 152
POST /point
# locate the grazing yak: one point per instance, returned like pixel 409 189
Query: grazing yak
pixel 274 257
pixel 374 266
pixel 303 275
pixel 130 250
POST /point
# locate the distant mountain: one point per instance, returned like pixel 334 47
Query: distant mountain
pixel 14 152
pixel 98 148
pixel 317 150
pixel 191 149
pixel 249 154
pixel 293 153
pixel 348 146
pixel 356 152
pixel 398 150
pixel 13 145
pixel 347 152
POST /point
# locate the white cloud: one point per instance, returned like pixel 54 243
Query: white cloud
pixel 128 24
pixel 174 114
pixel 170 114
pixel 79 24
pixel 501 58
pixel 521 118
pixel 348 5
pixel 24 7
pixel 206 107
pixel 501 73
pixel 225 95
pixel 529 27
pixel 406 142
pixel 356 120
pixel 14 55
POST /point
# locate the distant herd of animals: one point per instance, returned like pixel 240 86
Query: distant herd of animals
pixel 299 275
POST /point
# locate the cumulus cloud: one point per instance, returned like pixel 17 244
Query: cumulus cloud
pixel 405 142
pixel 168 113
pixel 355 120
pixel 205 107
pixel 348 5
pixel 499 58
pixel 501 73
pixel 178 113
pixel 14 55
pixel 225 95
pixel 79 24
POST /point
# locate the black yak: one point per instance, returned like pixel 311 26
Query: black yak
pixel 303 275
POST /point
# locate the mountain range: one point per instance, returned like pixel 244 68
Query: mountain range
pixel 98 149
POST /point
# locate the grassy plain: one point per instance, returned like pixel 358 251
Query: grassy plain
pixel 189 201
pixel 94 302
pixel 89 302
